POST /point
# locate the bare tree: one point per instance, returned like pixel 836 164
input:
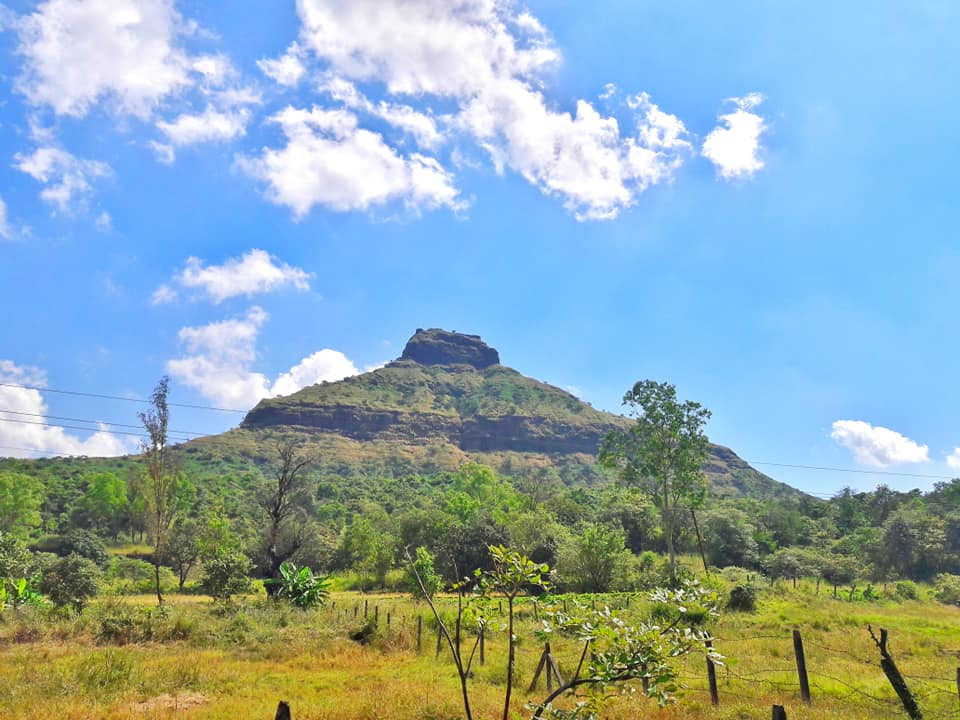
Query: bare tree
pixel 282 503
pixel 161 480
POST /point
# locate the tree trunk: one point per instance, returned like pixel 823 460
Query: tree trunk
pixel 510 661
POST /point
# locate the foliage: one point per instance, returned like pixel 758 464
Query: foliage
pixel 70 581
pixel 947 588
pixel 131 576
pixel 299 586
pixel 663 452
pixel 423 569
pixel 595 558
pixel 80 542
pixel 226 574
pixel 743 598
pixel 20 499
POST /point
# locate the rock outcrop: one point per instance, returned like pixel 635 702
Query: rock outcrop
pixel 442 347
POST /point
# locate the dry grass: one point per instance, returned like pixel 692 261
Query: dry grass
pixel 236 665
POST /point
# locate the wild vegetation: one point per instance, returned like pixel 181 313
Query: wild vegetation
pixel 72 591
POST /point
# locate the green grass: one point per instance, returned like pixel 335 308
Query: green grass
pixel 237 663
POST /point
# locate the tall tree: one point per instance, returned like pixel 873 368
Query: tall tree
pixel 662 452
pixel 161 480
pixel 20 499
pixel 282 501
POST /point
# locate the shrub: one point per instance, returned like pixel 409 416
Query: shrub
pixel 946 588
pixel 80 542
pixel 301 587
pixel 70 581
pixel 423 564
pixel 127 576
pixel 226 574
pixel 906 590
pixel 743 598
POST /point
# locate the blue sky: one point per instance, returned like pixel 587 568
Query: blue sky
pixel 754 201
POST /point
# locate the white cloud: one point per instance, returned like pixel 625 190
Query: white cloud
pixel 23 418
pixel 66 178
pixel 877 446
pixel 286 70
pixel 953 459
pixel 255 272
pixel 734 145
pixel 5 231
pixel 220 356
pixel 209 126
pixel 103 222
pixel 163 295
pixel 330 161
pixel 163 152
pixel 80 52
pixel 490 64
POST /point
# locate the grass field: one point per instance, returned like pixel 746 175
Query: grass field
pixel 120 659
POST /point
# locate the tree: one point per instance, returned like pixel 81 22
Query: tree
pixel 282 502
pixel 70 581
pixel 183 548
pixel 662 452
pixel 730 539
pixel 20 499
pixel 595 557
pixel 161 480
pixel 225 574
pixel 105 501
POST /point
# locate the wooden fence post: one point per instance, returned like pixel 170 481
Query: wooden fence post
pixel 779 713
pixel 958 683
pixel 801 666
pixel 283 711
pixel 388 618
pixel 366 608
pixel 439 639
pixel 890 669
pixel 419 633
pixel 712 678
pixel 376 614
pixel 483 635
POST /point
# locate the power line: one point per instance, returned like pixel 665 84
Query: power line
pixel 103 422
pixel 78 427
pixel 117 397
pixel 851 470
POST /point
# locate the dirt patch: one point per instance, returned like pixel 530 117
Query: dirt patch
pixel 183 701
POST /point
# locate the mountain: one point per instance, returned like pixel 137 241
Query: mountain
pixel 446 400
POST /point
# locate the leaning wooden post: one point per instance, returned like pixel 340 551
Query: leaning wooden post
pixel 712 678
pixel 483 635
pixel 890 669
pixel 536 612
pixel 283 711
pixel 419 633
pixel 801 666
pixel 779 713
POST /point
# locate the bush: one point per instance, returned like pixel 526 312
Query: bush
pixel 226 574
pixel 743 598
pixel 423 564
pixel 129 576
pixel 80 542
pixel 906 590
pixel 946 588
pixel 70 581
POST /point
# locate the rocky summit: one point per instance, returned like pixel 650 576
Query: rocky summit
pixel 442 347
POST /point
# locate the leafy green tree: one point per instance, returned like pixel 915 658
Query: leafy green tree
pixel 226 574
pixel 790 563
pixel 422 577
pixel 16 561
pixel 595 557
pixel 70 581
pixel 183 548
pixel 663 452
pixel 729 539
pixel 162 480
pixel 84 543
pixel 105 501
pixel 20 499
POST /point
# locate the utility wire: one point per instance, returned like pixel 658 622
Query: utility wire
pixel 78 427
pixel 117 397
pixel 103 422
pixel 852 470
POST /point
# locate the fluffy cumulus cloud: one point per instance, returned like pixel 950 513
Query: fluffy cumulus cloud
pixel 219 358
pixel 329 160
pixel 80 52
pixel 255 272
pixel 488 63
pixel 66 179
pixel 211 125
pixel 286 70
pixel 953 459
pixel 734 145
pixel 23 421
pixel 877 446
